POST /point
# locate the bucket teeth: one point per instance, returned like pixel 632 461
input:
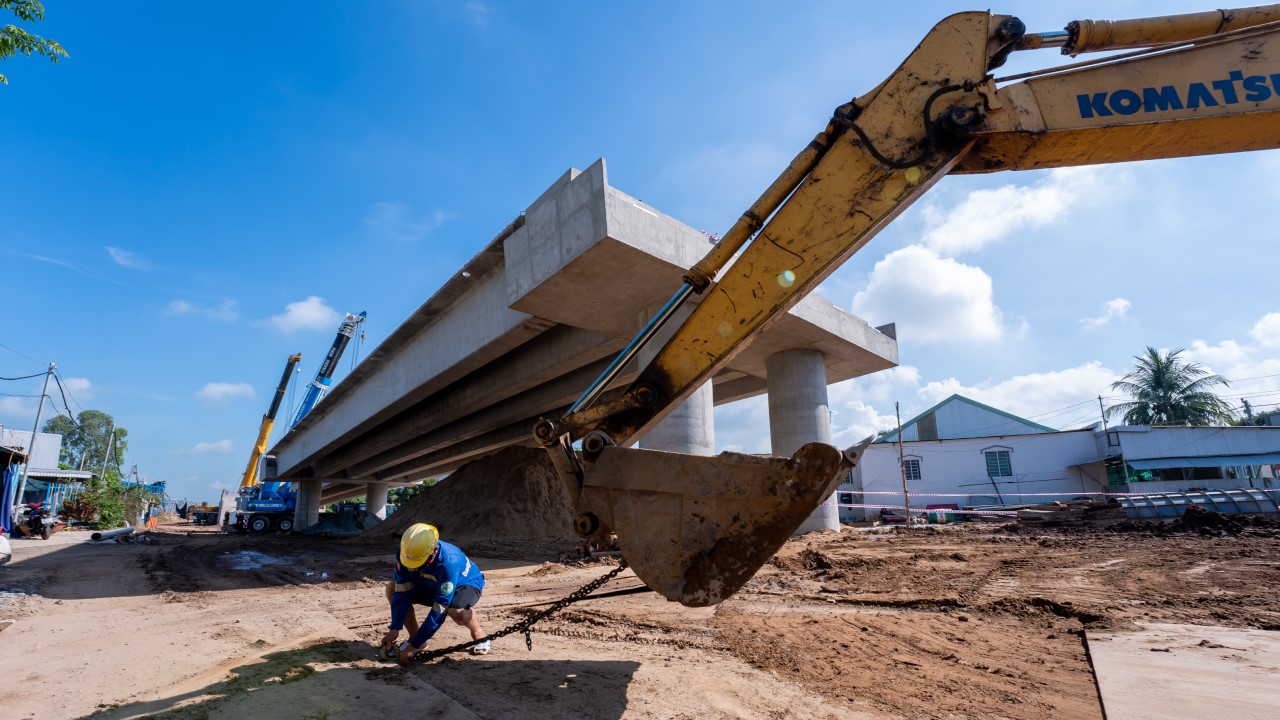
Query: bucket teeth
pixel 696 528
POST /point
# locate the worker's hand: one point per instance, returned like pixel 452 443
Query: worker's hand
pixel 407 653
pixel 390 637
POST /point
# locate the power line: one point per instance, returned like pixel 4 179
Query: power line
pixel 1260 377
pixel 15 352
pixel 24 377
pixel 62 391
pixel 58 375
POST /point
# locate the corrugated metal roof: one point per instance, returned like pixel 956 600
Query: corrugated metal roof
pixel 44 455
pixel 56 473
pixel 967 419
pixel 1206 462
pixel 1169 442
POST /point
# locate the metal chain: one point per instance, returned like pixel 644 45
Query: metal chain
pixel 526 624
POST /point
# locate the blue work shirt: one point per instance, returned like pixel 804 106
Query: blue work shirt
pixel 434 583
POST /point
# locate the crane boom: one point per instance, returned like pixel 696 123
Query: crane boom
pixel 268 420
pixel 324 376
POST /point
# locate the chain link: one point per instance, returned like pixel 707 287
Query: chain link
pixel 527 624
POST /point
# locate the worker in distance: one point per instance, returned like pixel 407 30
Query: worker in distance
pixel 434 573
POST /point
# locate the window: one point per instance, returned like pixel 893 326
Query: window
pixel 998 464
pixel 911 468
pixel 846 498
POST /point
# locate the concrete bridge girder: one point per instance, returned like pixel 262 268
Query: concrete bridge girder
pixel 521 330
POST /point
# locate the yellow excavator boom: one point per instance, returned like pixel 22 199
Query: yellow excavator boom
pixel 696 529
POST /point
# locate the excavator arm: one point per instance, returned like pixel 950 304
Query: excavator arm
pixel 696 528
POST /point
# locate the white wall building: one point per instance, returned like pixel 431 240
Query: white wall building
pixel 950 456
pixel 992 470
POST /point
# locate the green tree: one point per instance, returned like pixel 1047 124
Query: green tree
pixel 398 496
pixel 15 41
pixel 1167 390
pixel 85 440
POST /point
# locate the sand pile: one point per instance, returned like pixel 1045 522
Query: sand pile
pixel 512 494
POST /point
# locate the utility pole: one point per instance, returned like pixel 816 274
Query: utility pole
pixel 106 454
pixel 902 466
pixel 31 447
pixel 1248 411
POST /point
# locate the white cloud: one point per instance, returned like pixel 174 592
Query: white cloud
pixel 479 13
pixel 987 216
pixel 19 408
pixel 1059 398
pixel 309 314
pixel 932 299
pixel 1267 332
pixel 400 222
pixel 225 311
pixel 1117 309
pixel 220 391
pixel 853 420
pixel 220 447
pixel 1225 354
pixel 743 426
pixel 1253 370
pixel 124 258
pixel 80 388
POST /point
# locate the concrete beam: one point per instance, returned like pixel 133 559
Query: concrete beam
pixel 455 456
pixel 535 403
pixel 551 355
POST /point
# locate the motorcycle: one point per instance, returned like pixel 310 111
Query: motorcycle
pixel 6 551
pixel 37 520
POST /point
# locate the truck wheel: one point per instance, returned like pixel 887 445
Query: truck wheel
pixel 285 524
pixel 259 524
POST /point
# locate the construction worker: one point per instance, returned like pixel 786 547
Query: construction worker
pixel 437 574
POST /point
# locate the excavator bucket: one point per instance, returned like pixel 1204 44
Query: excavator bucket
pixel 696 528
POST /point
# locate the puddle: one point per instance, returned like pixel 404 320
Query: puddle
pixel 249 560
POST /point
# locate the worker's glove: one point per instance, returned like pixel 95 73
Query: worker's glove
pixel 407 651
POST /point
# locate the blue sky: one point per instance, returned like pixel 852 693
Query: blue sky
pixel 202 189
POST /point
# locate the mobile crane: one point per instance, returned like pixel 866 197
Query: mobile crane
pixel 696 528
pixel 261 506
pixel 258 507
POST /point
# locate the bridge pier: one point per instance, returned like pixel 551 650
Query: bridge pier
pixel 799 414
pixel 375 499
pixel 307 511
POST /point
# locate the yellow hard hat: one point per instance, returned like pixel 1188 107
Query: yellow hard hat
pixel 417 543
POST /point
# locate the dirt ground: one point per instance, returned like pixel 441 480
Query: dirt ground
pixel 970 621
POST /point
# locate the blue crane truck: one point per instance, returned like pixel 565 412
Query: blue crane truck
pixel 264 503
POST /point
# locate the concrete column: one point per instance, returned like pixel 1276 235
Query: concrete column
pixel 307 511
pixel 798 414
pixel 375 499
pixel 690 428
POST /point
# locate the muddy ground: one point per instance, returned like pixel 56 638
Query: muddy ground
pixel 970 621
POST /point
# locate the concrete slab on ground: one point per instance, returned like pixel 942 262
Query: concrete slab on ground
pixel 1187 671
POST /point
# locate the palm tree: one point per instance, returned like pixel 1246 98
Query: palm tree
pixel 1167 390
